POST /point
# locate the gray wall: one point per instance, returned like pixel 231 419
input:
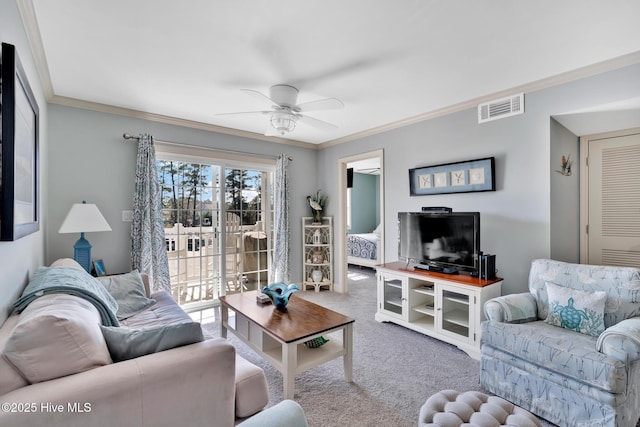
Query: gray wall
pixel 19 259
pixel 516 219
pixel 365 203
pixel 91 161
pixel 565 195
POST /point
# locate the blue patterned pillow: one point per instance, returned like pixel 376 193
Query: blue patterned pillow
pixel 580 311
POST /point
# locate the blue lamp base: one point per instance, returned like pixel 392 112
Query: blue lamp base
pixel 82 253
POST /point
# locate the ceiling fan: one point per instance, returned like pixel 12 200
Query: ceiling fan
pixel 285 113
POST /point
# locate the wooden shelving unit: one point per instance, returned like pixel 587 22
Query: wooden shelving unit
pixel 317 247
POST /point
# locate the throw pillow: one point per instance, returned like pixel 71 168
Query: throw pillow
pixel 56 335
pixel 581 311
pixel 128 290
pixel 126 343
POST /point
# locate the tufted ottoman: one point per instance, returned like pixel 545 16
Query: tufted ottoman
pixel 449 408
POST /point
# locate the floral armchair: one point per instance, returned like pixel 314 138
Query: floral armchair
pixel 569 349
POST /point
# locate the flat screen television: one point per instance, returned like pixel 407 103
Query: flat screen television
pixel 440 241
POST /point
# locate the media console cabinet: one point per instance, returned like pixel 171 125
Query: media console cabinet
pixel 448 307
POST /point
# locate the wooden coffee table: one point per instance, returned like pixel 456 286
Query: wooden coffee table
pixel 279 336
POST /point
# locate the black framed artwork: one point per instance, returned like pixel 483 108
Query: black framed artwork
pixel 459 177
pixel 19 192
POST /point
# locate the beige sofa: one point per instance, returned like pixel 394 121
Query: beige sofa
pixel 56 369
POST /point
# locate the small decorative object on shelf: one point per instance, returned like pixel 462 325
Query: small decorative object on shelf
pixel 279 293
pixel 317 204
pixel 317 246
pixel 316 342
pixel 316 276
pixel 317 257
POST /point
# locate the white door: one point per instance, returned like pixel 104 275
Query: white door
pixel 613 199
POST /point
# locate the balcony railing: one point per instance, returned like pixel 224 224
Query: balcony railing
pixel 195 262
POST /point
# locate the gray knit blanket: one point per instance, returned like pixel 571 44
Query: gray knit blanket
pixel 70 281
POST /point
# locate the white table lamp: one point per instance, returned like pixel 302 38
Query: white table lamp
pixel 83 218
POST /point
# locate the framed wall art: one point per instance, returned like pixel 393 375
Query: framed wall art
pixel 460 177
pixel 19 192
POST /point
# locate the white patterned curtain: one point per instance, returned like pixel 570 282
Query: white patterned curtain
pixel 148 247
pixel 281 250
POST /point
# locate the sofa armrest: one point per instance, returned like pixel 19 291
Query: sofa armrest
pixel 192 385
pixel 512 308
pixel 621 341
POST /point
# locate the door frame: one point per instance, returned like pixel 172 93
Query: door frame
pixel 341 284
pixel 584 184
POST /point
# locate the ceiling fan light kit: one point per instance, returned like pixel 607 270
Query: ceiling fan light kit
pixel 283 122
pixel 285 112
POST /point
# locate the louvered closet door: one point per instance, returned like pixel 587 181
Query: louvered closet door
pixel 614 201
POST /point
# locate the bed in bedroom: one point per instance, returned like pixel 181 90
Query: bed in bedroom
pixel 363 249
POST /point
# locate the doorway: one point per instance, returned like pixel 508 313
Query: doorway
pixel 610 207
pixel 366 162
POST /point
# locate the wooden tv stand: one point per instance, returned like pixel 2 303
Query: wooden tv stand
pixel 448 307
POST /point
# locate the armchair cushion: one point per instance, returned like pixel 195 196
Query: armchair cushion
pixel 621 341
pixel 565 352
pixel 512 308
pixel 581 311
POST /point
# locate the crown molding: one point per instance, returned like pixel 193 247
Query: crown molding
pixel 569 76
pixel 35 42
pixel 159 118
pixel 28 15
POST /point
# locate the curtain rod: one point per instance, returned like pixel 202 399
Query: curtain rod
pixel 241 153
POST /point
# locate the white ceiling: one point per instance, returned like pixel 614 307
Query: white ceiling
pixel 391 62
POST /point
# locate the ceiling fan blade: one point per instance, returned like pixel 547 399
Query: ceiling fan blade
pixel 272 132
pixel 317 123
pixel 259 96
pixel 244 112
pixel 321 104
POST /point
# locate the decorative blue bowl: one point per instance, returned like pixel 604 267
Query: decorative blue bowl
pixel 279 294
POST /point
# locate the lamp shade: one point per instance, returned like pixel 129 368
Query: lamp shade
pixel 84 218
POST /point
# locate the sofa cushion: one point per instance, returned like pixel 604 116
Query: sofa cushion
pixel 57 335
pixel 566 352
pixel 165 311
pixel 128 291
pixel 126 343
pixel 576 310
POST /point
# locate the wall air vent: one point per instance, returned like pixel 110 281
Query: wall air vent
pixel 501 108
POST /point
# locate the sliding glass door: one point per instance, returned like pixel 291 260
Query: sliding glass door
pixel 248 215
pixel 217 229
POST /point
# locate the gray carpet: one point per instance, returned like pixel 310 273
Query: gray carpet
pixel 394 369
